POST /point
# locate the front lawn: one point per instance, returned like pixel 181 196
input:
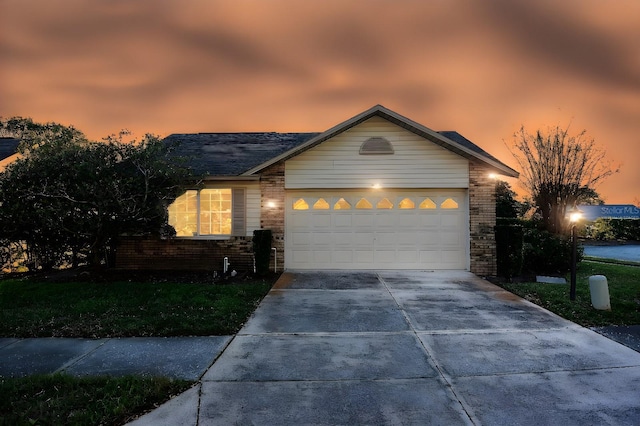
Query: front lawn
pixel 42 308
pixel 162 304
pixel 624 292
pixel 65 400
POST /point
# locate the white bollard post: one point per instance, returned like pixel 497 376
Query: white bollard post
pixel 599 292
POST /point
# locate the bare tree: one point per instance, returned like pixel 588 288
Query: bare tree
pixel 558 170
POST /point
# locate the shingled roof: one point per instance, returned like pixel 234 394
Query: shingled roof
pixel 8 147
pixel 232 154
pixel 246 154
pixel 458 138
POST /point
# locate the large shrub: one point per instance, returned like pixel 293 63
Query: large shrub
pixel 69 198
pixel 613 229
pixel 509 247
pixel 546 253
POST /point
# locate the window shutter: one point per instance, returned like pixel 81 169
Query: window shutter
pixel 238 221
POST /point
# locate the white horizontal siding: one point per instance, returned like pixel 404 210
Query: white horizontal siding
pixel 416 162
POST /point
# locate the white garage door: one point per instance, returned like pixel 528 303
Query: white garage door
pixel 376 229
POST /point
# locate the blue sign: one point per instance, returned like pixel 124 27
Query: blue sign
pixel 610 211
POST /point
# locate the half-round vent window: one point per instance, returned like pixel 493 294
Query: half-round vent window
pixel 376 145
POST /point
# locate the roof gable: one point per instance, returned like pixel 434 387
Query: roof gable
pixel 459 145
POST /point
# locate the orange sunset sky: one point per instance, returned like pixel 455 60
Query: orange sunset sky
pixel 483 68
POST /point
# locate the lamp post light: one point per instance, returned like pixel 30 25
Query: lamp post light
pixel 574 216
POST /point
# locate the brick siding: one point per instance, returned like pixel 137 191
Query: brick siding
pixel 184 254
pixel 272 190
pixel 482 220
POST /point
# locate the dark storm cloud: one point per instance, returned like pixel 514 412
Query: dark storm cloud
pixel 556 36
pixel 480 67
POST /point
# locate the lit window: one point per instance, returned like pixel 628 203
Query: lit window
pixel 342 204
pixel 449 203
pixel 407 204
pixel 321 204
pixel 427 204
pixel 384 204
pixel 204 212
pixel 363 204
pixel 301 204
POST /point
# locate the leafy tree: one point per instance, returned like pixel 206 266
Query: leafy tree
pixel 70 195
pixel 558 170
pixel 505 200
pixel 32 134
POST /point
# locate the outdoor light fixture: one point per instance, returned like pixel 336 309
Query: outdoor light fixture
pixel 574 216
pixel 376 186
pixel 493 176
pixel 271 204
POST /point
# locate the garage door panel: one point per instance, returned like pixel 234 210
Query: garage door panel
pixel 362 220
pixel 301 257
pixel 407 238
pixel 382 256
pixel 430 257
pixel 450 219
pixel 363 256
pixel 450 257
pixel 404 236
pixel 322 256
pixel 301 238
pixel 298 221
pixel 321 239
pixel 450 238
pixel 342 256
pixel 385 220
pixel 430 219
pixel 321 221
pixel 363 239
pixel 410 221
pixel 342 238
pixel 342 220
pixel 408 256
pixel 386 239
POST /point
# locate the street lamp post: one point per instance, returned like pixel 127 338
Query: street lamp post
pixel 574 216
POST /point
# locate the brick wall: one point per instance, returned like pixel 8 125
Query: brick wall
pixel 482 220
pixel 184 254
pixel 272 191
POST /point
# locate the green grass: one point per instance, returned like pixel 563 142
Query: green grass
pixel 31 308
pixel 65 400
pixel 612 261
pixel 145 306
pixel 624 292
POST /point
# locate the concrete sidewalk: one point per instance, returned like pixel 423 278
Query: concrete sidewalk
pixel 401 347
pixel 176 357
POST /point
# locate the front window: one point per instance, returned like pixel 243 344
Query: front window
pixel 202 213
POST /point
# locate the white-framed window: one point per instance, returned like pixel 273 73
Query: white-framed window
pixel 208 212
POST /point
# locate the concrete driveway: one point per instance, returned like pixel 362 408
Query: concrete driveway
pixel 409 347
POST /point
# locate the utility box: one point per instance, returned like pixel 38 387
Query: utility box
pixel 599 289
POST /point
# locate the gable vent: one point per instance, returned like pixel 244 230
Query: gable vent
pixel 376 145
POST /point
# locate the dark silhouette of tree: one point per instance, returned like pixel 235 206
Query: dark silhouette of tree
pixel 557 170
pixel 70 195
pixel 506 203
